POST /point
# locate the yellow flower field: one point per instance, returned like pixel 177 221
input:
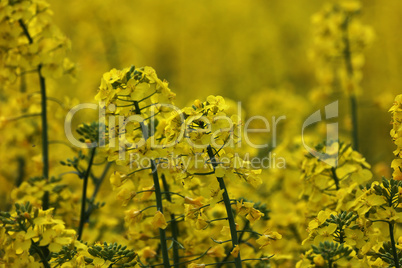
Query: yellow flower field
pixel 200 133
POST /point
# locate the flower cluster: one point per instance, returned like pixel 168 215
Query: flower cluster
pixel 339 41
pixel 31 47
pixel 27 231
pixel 31 41
pixel 330 185
pixel 358 225
pixel 182 158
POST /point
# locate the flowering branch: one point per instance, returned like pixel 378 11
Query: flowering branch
pixel 84 194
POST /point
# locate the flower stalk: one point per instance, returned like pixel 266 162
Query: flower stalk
pixel 352 98
pixel 228 206
pixel 83 216
pixel 159 206
pixel 45 140
pixel 392 238
pixel 174 226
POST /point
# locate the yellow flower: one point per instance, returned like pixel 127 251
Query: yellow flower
pixel 196 201
pixel 325 233
pixel 159 221
pixel 22 242
pixel 366 203
pixel 254 178
pixel 148 191
pixel 354 237
pixel 254 215
pixel 217 251
pixel 148 253
pixel 133 217
pixel 321 218
pixel 116 179
pixel 243 208
pixel 267 237
pixel 389 214
pixel 235 251
pixel 319 261
pixel 52 238
pixel 126 192
pixel 201 224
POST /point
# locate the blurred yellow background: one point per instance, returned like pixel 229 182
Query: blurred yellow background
pixel 235 49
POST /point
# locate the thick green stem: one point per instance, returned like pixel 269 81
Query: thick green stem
pixel 394 252
pixel 159 206
pixel 174 226
pixel 83 216
pixel 355 135
pixel 21 171
pixel 228 206
pixel 45 140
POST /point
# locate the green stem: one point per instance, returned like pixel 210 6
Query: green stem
pixel 41 255
pixel 98 184
pixel 159 206
pixel 353 101
pixel 84 194
pixel 174 226
pixel 228 206
pixel 45 140
pixel 158 194
pixel 38 249
pixel 246 226
pixel 100 180
pixel 391 236
pixel 335 177
pixel 394 252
